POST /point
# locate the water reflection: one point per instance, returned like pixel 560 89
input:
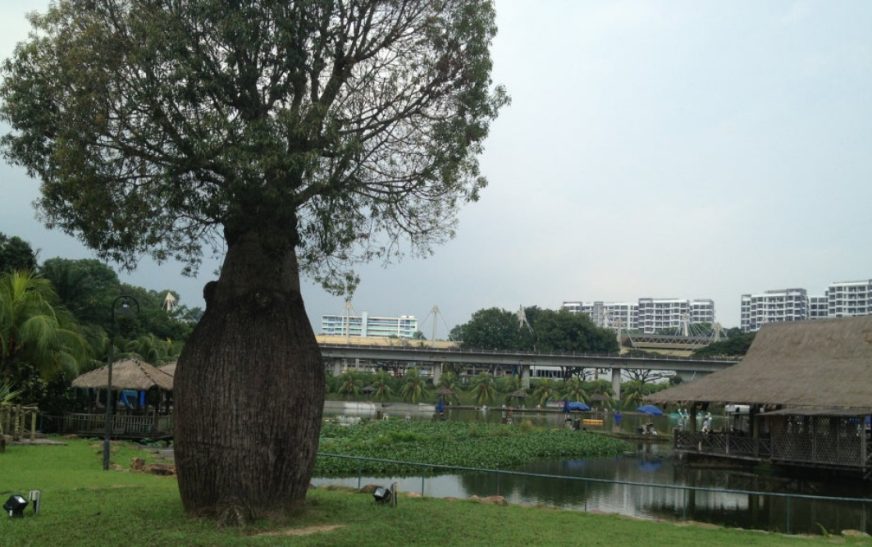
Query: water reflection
pixel 652 463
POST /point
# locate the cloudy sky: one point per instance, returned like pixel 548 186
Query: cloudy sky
pixel 662 149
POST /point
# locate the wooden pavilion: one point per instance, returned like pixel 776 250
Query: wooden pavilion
pixel 146 416
pixel 808 386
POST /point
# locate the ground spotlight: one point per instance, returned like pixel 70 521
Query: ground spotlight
pixel 380 494
pixel 15 505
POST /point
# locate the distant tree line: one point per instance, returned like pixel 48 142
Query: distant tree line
pixel 482 389
pixel 735 345
pixel 543 331
pixel 56 323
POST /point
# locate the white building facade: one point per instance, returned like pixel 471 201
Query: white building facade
pixel 613 315
pixel 363 325
pixel 649 315
pixel 841 299
pixel 775 306
pixel 849 298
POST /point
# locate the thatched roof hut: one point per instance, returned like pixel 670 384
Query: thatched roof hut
pixel 126 374
pixel 823 366
pixel 169 368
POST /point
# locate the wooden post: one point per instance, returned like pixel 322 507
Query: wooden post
pixel 863 443
pixel 693 418
pixel 33 424
pixel 16 423
pixel 755 429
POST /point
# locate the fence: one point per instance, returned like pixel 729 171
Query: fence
pixel 124 426
pixel 722 444
pixel 15 420
pixel 775 511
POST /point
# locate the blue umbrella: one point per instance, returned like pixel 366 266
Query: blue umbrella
pixel 650 410
pixel 575 405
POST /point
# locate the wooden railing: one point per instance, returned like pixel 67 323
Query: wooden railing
pixel 821 449
pixel 123 425
pixel 722 444
pixel 824 449
pixel 15 419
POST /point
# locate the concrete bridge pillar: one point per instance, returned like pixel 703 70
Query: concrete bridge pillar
pixel 616 384
pixel 337 367
pixel 437 373
pixel 525 376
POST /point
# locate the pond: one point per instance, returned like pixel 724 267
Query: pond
pixel 648 463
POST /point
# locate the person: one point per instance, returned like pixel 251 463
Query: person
pixel 707 423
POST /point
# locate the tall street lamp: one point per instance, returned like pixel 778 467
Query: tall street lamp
pixel 123 304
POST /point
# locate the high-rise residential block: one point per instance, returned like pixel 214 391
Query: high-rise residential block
pixel 649 315
pixel 774 306
pixel 842 299
pixel 849 298
pixel 404 326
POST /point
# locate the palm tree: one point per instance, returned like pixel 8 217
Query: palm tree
pixel 381 384
pixel 574 390
pixel 152 349
pixel 6 394
pixel 634 394
pixel 545 391
pixel 483 389
pixel 449 381
pixel 508 384
pixel 414 387
pixel 349 384
pixel 35 335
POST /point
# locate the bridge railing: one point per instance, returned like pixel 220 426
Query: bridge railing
pixel 412 349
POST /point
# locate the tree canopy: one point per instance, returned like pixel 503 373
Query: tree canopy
pixel 293 136
pixel 735 345
pixel 16 254
pixel 548 330
pixel 345 126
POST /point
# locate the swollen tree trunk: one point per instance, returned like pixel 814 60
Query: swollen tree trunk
pixel 249 388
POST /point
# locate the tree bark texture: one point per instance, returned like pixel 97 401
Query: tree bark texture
pixel 249 388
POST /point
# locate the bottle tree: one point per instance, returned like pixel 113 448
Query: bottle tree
pixel 297 137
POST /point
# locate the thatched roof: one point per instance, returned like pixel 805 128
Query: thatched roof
pixel 169 368
pixel 824 363
pixel 126 374
pixel 519 393
pixel 445 391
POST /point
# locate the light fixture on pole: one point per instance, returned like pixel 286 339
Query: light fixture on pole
pixel 126 308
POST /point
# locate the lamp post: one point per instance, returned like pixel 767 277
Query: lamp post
pixel 125 302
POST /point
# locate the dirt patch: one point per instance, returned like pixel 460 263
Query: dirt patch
pixel 295 532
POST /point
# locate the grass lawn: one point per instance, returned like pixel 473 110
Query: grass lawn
pixel 82 505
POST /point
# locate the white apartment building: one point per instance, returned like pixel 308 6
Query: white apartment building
pixel 817 307
pixel 657 315
pixel 613 315
pixel 702 311
pixel 649 315
pixel 849 298
pixel 842 299
pixel 773 306
pixel 404 326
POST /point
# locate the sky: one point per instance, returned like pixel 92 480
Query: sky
pixel 676 149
